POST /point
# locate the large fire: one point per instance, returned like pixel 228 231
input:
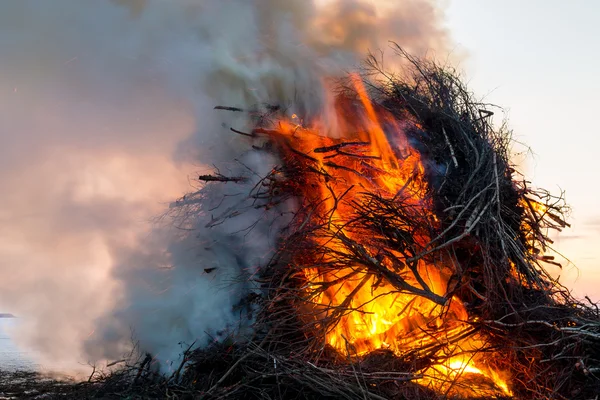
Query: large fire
pixel 369 310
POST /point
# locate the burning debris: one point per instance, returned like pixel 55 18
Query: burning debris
pixel 412 266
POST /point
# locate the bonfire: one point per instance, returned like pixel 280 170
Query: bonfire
pixel 415 264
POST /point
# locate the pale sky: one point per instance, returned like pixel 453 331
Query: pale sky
pixel 540 60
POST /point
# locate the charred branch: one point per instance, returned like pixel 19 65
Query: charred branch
pixel 221 178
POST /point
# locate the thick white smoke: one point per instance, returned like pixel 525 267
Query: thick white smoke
pixel 106 106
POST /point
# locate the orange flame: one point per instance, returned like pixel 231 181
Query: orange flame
pixel 376 314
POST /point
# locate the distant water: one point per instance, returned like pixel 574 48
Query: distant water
pixel 11 357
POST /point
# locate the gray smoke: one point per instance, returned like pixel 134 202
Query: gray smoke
pixel 183 283
pixel 106 106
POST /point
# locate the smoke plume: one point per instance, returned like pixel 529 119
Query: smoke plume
pixel 107 108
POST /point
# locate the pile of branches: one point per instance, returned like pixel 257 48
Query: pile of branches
pixel 491 226
pixel 549 338
pixel 490 229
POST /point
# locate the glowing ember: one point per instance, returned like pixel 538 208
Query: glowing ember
pixel 370 311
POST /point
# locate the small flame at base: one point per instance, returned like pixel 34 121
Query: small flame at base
pixel 452 376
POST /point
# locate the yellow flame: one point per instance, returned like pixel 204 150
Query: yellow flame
pixel 376 315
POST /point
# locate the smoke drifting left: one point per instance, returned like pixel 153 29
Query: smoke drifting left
pixel 106 108
pixel 85 163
